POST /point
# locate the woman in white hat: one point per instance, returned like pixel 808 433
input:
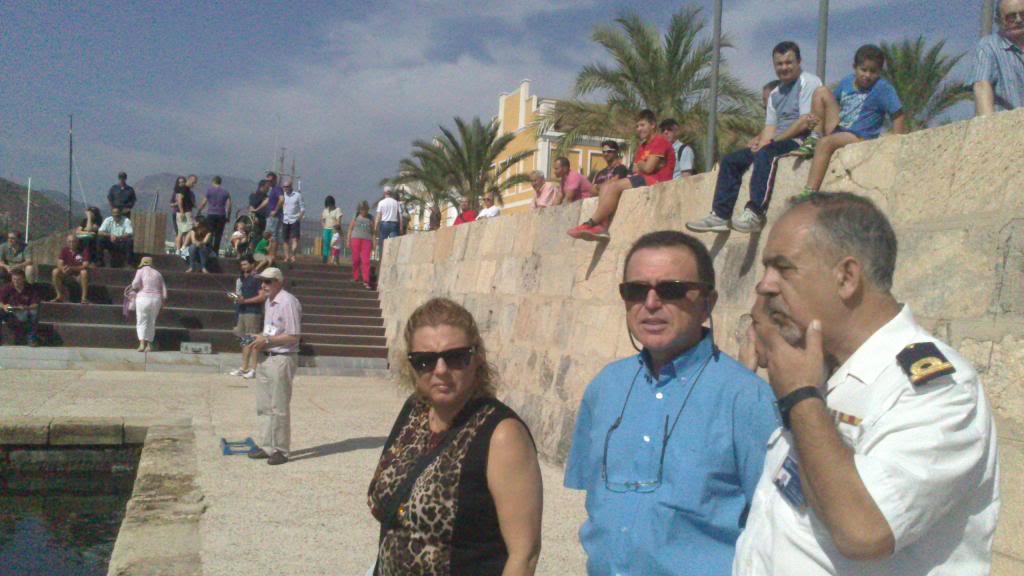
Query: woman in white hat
pixel 150 293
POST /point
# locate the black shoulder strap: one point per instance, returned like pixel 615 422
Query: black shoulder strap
pixel 405 488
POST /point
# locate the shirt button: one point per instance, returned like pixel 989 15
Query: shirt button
pixel 647 438
pixel 659 395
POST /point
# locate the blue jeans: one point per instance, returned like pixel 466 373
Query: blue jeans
pixel 762 181
pixel 198 256
pixel 388 230
pixel 18 320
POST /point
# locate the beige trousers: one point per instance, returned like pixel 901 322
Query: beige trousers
pixel 273 399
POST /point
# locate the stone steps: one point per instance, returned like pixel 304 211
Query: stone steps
pixel 341 318
pixel 198 319
pixel 221 340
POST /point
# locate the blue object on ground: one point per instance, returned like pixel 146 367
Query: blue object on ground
pixel 233 448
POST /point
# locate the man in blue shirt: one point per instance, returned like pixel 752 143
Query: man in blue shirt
pixel 670 443
pixel 864 99
pixel 998 78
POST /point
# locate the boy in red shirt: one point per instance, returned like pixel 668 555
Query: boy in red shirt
pixel 654 162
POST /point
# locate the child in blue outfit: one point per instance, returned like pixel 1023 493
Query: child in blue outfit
pixel 864 100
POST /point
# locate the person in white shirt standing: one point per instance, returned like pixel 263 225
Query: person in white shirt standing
pixel 887 461
pixel 388 222
pixel 490 210
pixel 292 211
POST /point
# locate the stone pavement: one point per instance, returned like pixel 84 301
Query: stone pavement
pixel 306 517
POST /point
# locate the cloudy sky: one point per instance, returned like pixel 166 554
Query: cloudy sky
pixel 215 87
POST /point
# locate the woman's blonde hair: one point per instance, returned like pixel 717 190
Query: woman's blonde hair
pixel 444 312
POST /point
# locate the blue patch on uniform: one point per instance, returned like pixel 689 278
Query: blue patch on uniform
pixel 788 482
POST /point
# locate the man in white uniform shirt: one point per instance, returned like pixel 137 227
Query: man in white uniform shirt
pixel 886 463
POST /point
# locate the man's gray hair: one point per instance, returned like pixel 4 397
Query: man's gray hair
pixel 850 225
pixel 537 174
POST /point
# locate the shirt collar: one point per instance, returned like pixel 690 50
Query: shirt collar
pixel 685 362
pixel 1007 44
pixel 876 353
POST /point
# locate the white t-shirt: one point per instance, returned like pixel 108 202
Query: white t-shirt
pixel 491 212
pixel 331 218
pixel 389 210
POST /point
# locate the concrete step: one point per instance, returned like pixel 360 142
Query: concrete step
pixel 180 279
pixel 170 339
pixel 24 358
pixel 192 319
pixel 230 265
pixel 328 302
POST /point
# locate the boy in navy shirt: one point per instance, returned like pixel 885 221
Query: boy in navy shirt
pixel 864 101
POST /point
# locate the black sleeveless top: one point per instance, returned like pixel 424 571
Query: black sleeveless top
pixel 448 524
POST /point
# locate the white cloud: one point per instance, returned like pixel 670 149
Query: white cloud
pixel 352 114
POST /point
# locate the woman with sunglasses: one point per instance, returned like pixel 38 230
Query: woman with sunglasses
pixel 458 487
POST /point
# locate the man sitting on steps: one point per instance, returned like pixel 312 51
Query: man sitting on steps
pixel 73 261
pixel 19 306
pixel 116 239
pixel 654 162
pixel 797 107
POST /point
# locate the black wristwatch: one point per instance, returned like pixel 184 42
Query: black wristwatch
pixel 787 402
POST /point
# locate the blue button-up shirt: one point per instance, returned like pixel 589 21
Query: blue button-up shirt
pixel 1001 63
pixel 690 523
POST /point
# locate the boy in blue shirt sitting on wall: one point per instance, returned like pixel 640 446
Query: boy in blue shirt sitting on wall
pixel 864 100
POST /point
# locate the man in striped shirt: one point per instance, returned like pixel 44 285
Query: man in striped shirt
pixel 999 67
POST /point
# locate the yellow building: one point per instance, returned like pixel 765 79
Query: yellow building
pixel 516 113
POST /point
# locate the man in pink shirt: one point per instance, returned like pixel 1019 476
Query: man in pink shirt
pixel 278 348
pixel 548 193
pixel 574 185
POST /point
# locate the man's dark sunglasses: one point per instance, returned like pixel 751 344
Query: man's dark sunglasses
pixel 668 290
pixel 454 359
pixel 268 280
pixel 1013 17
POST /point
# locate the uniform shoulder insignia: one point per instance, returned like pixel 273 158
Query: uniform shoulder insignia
pixel 923 362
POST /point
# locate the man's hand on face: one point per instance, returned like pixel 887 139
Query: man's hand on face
pixel 790 367
pixel 748 349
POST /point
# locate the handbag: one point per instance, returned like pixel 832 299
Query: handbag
pixel 128 304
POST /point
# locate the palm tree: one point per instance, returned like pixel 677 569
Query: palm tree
pixel 919 74
pixel 423 186
pixel 468 157
pixel 669 74
pixel 459 164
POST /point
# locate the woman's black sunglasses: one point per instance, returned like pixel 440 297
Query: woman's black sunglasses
pixel 454 359
pixel 668 290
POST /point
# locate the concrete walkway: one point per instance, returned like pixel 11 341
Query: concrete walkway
pixel 306 517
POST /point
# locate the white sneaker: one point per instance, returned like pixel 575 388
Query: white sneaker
pixel 249 375
pixel 237 372
pixel 709 223
pixel 748 222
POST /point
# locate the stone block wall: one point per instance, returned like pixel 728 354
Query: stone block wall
pixel 551 317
